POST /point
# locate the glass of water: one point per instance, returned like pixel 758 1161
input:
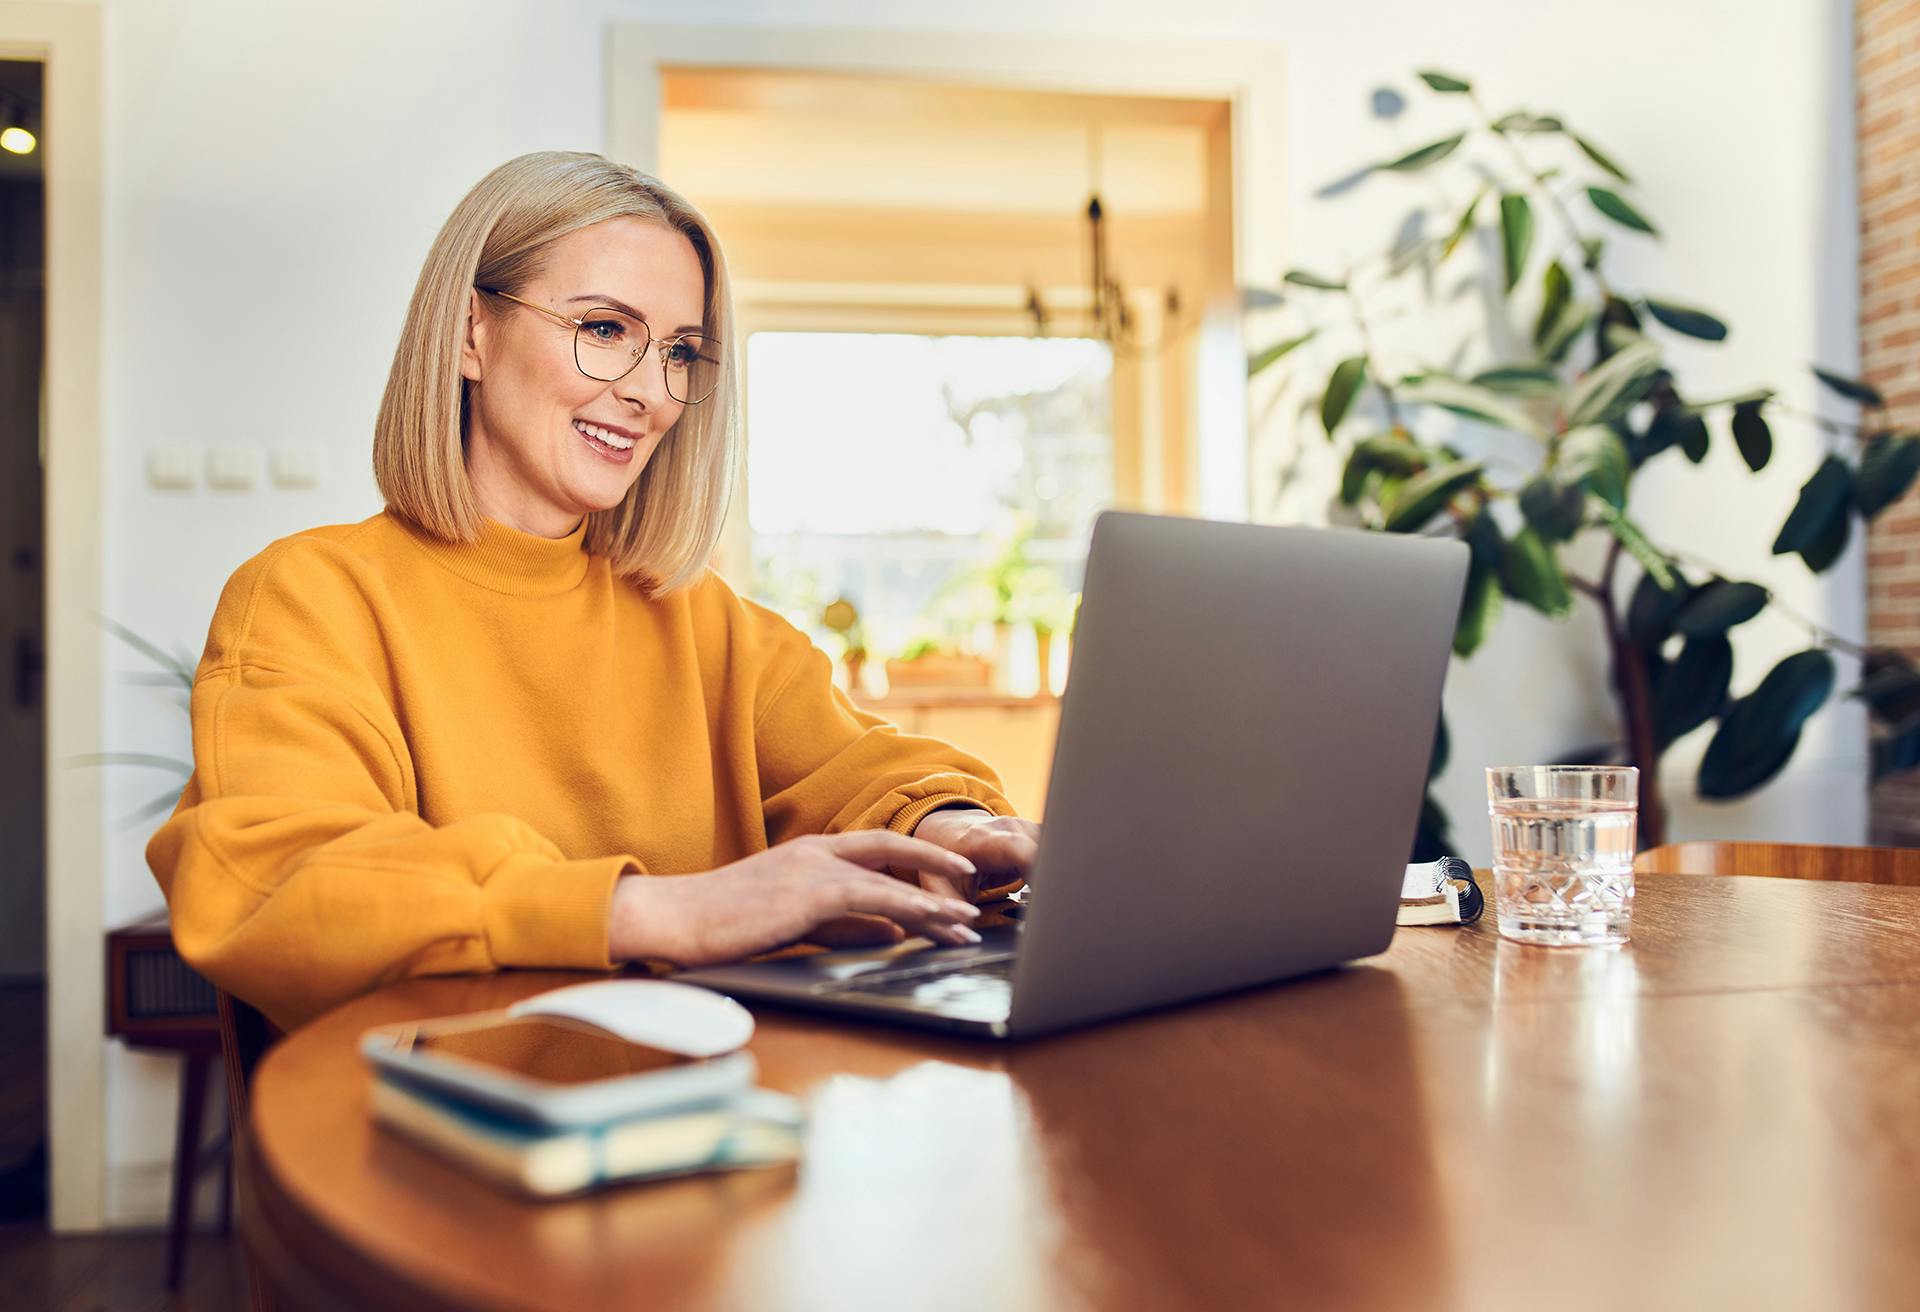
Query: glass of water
pixel 1563 843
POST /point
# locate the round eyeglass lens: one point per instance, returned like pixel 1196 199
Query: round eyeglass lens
pixel 692 364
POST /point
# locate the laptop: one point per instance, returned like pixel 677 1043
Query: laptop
pixel 1242 752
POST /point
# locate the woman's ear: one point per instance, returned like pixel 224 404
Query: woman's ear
pixel 475 336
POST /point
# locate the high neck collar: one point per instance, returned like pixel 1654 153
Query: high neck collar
pixel 507 560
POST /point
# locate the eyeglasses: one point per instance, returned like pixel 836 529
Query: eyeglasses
pixel 608 343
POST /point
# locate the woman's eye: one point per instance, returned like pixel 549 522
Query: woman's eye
pixel 680 355
pixel 605 331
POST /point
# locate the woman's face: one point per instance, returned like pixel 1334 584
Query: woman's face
pixel 531 464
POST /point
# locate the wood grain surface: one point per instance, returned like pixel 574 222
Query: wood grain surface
pixel 1725 1113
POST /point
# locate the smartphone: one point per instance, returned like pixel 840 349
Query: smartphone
pixel 550 1070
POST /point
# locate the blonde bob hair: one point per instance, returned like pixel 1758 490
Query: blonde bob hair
pixel 663 533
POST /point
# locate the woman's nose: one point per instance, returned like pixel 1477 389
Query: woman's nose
pixel 645 383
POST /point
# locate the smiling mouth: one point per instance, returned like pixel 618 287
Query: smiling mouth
pixel 604 436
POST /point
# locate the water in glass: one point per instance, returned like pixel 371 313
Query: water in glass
pixel 1563 869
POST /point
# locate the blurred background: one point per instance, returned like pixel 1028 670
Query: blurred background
pixel 1544 279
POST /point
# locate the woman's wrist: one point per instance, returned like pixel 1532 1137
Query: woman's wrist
pixel 630 919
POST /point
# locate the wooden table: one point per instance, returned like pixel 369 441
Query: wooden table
pixel 1724 1114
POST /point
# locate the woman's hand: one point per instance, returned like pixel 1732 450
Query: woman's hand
pixel 1001 847
pixel 830 884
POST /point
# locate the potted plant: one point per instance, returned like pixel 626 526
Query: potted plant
pixel 1593 388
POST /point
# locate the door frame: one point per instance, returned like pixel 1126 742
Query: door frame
pixel 66 38
pixel 1248 75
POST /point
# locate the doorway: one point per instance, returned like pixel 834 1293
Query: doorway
pixel 23 920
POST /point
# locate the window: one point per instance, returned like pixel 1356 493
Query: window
pixel 940 483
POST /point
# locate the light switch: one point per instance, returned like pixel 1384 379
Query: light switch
pixel 233 467
pixel 296 464
pixel 171 465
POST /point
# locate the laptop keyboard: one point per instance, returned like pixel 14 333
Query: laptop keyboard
pixel 977 978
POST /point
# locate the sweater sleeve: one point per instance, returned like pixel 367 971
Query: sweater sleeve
pixel 297 867
pixel 828 766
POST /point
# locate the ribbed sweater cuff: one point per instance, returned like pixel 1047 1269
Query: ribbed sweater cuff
pixel 539 912
pixel 914 812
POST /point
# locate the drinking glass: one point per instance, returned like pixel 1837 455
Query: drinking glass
pixel 1563 842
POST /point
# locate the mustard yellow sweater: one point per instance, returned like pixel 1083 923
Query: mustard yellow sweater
pixel 412 758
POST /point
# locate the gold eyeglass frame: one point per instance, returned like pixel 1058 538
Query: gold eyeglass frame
pixel 638 356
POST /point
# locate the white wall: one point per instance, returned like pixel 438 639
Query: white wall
pixel 275 173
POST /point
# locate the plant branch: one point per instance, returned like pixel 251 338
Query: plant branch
pixel 1366 349
pixel 1826 636
pixel 1552 197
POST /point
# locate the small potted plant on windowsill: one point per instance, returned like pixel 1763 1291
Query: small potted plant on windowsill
pixel 927 663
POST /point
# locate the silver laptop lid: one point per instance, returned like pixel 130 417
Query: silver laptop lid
pixel 1241 757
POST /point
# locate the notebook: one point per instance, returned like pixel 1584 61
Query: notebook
pixel 755 1128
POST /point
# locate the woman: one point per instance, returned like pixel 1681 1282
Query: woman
pixel 470 732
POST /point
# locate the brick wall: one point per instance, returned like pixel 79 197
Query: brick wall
pixel 1887 84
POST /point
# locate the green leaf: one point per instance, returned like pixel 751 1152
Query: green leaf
pixel 1554 509
pixel 1445 83
pixel 1464 226
pixel 1823 499
pixel 1595 456
pixel 1566 331
pixel 1301 278
pixel 1278 351
pixel 1467 399
pixel 1887 467
pixel 1479 610
pixel 1639 546
pixel 1425 494
pixel 1890 686
pixel 1516 235
pixel 1692 690
pixel 1480 603
pixel 1442 748
pixel 1651 611
pixel 1531 573
pixel 1606 390
pixel 1752 436
pixel 1823 551
pixel 1896 753
pixel 1522 121
pixel 1342 387
pixel 1851 388
pixel 1418 159
pixel 1388 453
pixel 1553 302
pixel 1593 153
pixel 1686 319
pixel 1719 606
pixel 1617 209
pixel 1348 377
pixel 1691 432
pixel 1757 736
pixel 1518 380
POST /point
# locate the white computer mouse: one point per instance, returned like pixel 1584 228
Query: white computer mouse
pixel 693 1022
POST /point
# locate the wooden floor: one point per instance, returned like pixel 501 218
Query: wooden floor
pixel 83 1272
pixel 79 1273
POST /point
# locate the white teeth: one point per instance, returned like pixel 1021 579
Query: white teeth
pixel 611 439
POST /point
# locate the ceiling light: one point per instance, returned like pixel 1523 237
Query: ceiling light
pixel 16 128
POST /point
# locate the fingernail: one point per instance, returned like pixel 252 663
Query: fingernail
pixel 967 909
pixel 968 934
pixel 966 865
